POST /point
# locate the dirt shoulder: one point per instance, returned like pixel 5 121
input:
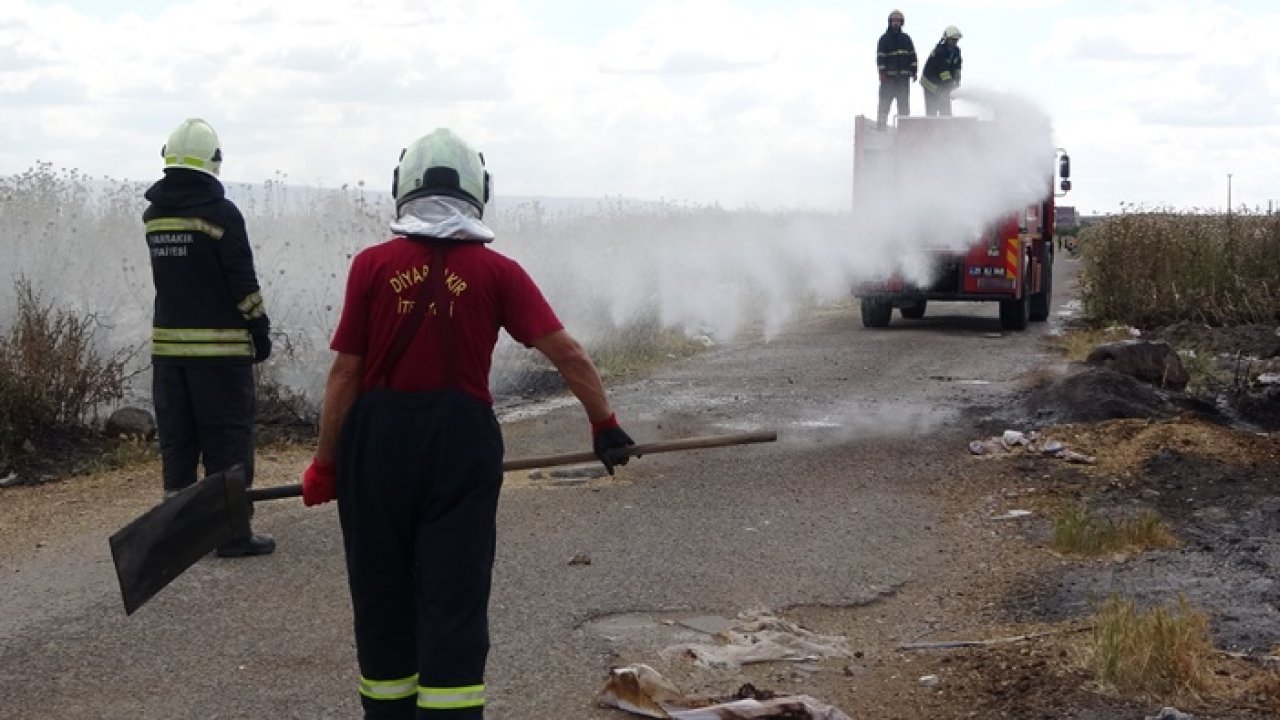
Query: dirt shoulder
pixel 1214 487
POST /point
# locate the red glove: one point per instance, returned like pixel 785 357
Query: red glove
pixel 317 483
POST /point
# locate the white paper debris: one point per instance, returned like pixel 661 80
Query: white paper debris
pixel 641 690
pixel 765 638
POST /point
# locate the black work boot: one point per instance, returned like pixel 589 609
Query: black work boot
pixel 245 547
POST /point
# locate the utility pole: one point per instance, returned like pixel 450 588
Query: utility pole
pixel 1228 193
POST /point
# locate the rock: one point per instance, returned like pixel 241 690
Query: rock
pixel 1013 438
pixel 132 423
pixel 1150 362
pixel 930 681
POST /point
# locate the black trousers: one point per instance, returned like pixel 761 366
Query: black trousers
pixel 937 103
pixel 204 412
pixel 418 481
pixel 897 87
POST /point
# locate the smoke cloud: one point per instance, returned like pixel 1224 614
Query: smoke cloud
pixel 622 265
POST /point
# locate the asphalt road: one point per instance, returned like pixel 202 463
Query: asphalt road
pixel 831 515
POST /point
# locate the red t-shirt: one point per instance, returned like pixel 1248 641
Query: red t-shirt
pixel 486 290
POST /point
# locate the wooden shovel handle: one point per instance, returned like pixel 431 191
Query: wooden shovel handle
pixel 653 448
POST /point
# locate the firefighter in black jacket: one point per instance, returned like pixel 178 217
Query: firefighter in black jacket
pixel 896 60
pixel 942 73
pixel 209 326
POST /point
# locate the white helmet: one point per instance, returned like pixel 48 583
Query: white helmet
pixel 441 163
pixel 194 145
pixel 951 33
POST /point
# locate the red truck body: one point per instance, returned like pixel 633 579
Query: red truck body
pixel 1011 260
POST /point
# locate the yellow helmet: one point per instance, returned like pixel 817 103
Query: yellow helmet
pixel 951 33
pixel 193 145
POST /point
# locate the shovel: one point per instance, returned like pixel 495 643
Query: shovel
pixel 157 547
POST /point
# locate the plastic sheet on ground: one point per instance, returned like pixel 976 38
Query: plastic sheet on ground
pixel 643 691
pixel 764 638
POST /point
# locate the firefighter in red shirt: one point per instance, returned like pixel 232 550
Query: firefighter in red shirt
pixel 409 444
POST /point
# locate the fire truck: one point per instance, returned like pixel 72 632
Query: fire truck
pixel 1009 260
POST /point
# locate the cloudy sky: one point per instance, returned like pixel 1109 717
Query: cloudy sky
pixel 737 102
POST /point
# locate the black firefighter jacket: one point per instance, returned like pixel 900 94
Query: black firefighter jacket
pixel 208 305
pixel 942 69
pixel 896 54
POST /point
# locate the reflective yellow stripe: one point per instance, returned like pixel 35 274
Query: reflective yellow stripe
pixel 450 698
pixel 202 349
pixel 944 75
pixel 1012 257
pixel 185 160
pixel 251 306
pixel 185 225
pixel 928 85
pixel 389 689
pixel 199 335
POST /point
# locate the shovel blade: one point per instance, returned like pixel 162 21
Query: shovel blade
pixel 157 547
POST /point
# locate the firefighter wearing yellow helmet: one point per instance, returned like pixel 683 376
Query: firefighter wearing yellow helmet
pixel 942 73
pixel 209 325
pixel 409 446
pixel 897 63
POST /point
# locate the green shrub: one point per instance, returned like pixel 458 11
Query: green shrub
pixel 1155 268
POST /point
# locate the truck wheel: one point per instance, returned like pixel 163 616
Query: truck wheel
pixel 876 313
pixel 914 312
pixel 1040 302
pixel 1013 313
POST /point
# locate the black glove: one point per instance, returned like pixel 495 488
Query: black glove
pixel 261 347
pixel 606 438
pixel 260 331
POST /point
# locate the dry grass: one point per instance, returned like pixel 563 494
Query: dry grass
pixel 640 347
pixel 123 452
pixel 1077 531
pixel 1154 268
pixel 52 377
pixel 1076 344
pixel 1161 652
pixel 1123 446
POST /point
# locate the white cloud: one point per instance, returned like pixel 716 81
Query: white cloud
pixel 722 100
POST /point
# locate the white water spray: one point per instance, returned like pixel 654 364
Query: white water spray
pixel 699 270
